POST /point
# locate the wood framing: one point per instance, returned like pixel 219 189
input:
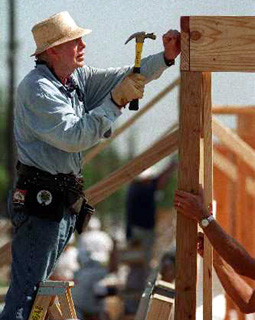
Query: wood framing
pixel 213 43
pixel 209 43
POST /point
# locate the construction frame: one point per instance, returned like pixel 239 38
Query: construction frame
pixel 209 44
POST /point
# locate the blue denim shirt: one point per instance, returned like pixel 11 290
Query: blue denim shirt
pixel 52 127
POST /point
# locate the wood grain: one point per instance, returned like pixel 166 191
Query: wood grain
pixel 208 189
pixel 185 44
pixel 222 43
pixel 160 308
pixel 189 155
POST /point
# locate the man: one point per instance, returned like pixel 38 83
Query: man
pixel 230 259
pixel 62 108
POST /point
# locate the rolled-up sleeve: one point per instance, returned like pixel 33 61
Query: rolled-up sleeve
pixel 99 82
pixel 51 118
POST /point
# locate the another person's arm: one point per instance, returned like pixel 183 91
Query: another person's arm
pixel 192 206
pixel 235 286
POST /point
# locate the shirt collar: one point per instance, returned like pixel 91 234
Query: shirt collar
pixel 70 87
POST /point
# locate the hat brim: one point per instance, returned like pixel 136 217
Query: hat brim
pixel 77 33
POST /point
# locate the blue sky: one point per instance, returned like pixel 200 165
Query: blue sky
pixel 112 22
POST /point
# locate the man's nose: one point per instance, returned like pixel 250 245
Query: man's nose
pixel 82 44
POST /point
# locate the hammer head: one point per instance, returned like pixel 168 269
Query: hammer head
pixel 140 36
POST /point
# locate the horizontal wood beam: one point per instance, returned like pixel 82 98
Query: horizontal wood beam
pixel 101 146
pixel 233 109
pixel 218 43
pixel 128 172
pixel 234 143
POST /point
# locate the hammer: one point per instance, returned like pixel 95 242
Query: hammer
pixel 139 36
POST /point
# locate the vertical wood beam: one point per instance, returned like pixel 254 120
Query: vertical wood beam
pixel 245 202
pixel 208 188
pixel 189 155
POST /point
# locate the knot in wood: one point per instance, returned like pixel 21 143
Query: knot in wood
pixel 195 35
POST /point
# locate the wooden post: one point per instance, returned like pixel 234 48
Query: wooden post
pixel 189 155
pixel 208 189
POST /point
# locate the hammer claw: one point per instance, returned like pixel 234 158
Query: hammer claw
pixel 140 36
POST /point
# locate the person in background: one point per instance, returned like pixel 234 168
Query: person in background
pixel 141 208
pixel 140 227
pixel 94 249
pixel 167 266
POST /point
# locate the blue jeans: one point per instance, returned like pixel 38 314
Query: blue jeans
pixel 36 247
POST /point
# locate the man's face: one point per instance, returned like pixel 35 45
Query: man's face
pixel 71 54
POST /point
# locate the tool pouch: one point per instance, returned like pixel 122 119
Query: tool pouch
pixel 45 203
pixel 16 208
pixel 84 216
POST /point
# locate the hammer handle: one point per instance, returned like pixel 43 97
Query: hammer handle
pixel 134 104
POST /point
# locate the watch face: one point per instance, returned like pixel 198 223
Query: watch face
pixel 204 223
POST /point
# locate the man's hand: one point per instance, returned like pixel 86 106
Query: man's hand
pixel 190 205
pixel 130 88
pixel 172 44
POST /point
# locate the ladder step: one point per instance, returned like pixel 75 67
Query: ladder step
pixel 54 298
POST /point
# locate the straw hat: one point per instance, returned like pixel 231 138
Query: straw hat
pixel 55 30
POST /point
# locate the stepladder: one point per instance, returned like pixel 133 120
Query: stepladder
pixel 53 301
pixel 156 302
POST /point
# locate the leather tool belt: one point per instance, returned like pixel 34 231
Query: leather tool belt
pixel 45 195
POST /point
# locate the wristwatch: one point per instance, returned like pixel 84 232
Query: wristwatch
pixel 206 221
pixel 169 62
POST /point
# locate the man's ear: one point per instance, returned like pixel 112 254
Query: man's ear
pixel 51 51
